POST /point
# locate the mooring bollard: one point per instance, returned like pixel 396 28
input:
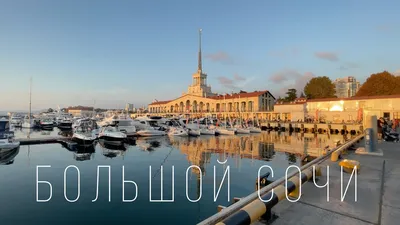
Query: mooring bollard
pixel 262 181
pixel 259 209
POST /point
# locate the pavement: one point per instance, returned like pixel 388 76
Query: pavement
pixel 378 194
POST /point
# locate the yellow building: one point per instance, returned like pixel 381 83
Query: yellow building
pixel 80 111
pixel 200 100
pixel 339 110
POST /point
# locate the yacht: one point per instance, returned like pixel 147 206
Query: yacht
pixel 16 120
pixel 29 122
pixel 46 123
pixel 112 135
pixel 147 127
pixel 83 135
pixel 241 130
pixel 91 124
pixel 126 126
pixel 176 129
pixel 64 123
pixel 254 129
pixel 7 140
pixel 205 129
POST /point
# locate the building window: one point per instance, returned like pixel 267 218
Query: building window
pixel 396 115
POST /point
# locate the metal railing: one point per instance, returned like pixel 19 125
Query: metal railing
pixel 230 210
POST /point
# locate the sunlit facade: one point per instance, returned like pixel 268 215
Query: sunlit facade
pixel 337 110
pixel 200 100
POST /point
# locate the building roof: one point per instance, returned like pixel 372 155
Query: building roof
pixel 79 107
pixel 241 94
pixel 160 102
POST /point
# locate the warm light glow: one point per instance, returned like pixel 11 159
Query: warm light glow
pixel 336 108
pixel 341 102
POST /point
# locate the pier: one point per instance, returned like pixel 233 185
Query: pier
pixel 320 128
pixel 377 199
pixel 42 140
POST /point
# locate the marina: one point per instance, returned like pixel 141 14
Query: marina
pixel 207 113
pixel 244 154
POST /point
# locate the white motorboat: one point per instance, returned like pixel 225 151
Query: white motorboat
pixel 147 127
pixel 29 122
pixel 46 123
pixel 254 130
pixel 150 132
pixel 16 120
pixel 126 126
pixel 206 131
pixel 7 140
pixel 65 123
pixel 241 130
pixel 83 135
pixel 225 131
pixel 111 135
pixel 178 131
pixel 193 133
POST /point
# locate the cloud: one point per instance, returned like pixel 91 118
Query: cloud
pixel 236 83
pixel 330 56
pixel 225 81
pixel 397 72
pixel 284 75
pixel 284 53
pixel 348 65
pixel 289 78
pixel 238 78
pixel 221 57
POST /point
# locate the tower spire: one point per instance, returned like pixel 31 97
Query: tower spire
pixel 199 63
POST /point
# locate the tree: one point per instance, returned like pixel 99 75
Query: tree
pixel 383 83
pixel 50 110
pixel 320 87
pixel 302 95
pixel 291 95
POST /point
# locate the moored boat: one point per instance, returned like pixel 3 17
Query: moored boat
pixel 7 140
pixel 111 135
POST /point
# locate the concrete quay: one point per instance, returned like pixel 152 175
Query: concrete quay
pixel 378 194
pixel 321 128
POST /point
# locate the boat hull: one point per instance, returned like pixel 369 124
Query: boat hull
pixel 112 140
pixel 148 133
pixel 226 132
pixel 6 145
pixel 242 131
pixel 194 133
pixel 255 130
pixel 207 132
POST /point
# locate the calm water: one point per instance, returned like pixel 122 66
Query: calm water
pixel 244 154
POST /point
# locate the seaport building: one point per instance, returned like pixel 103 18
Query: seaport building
pixel 199 100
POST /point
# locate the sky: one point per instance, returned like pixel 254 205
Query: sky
pixel 109 53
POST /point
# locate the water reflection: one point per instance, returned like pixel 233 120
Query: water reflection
pixel 7 156
pixel 299 148
pixel 65 133
pixel 81 153
pixel 112 151
pixel 150 144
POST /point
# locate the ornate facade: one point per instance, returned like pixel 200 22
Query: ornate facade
pixel 200 99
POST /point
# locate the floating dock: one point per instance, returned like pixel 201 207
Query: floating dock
pixel 42 140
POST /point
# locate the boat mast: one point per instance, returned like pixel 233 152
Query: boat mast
pixel 30 100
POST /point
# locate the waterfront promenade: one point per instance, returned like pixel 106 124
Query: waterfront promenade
pixel 378 194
